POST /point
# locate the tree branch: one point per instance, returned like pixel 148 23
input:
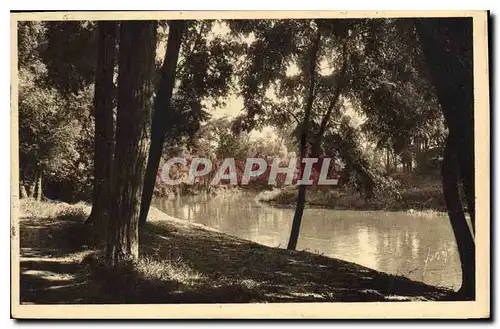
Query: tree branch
pixel 338 89
pixel 292 114
pixel 182 64
pixel 310 96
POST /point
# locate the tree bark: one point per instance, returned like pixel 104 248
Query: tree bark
pixel 301 198
pixel 136 64
pixel 162 106
pixel 104 131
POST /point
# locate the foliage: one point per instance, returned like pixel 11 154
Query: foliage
pixel 344 143
pixel 392 89
pixel 55 129
pixel 370 69
pixel 375 65
pixel 203 79
pixel 70 54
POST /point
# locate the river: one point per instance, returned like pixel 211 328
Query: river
pixel 420 247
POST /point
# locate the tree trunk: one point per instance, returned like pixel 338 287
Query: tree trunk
pixel 301 198
pixel 162 106
pixel 136 64
pixel 37 188
pixel 387 160
pixel 418 152
pixel 32 186
pixel 465 243
pixel 340 84
pixel 104 131
pixel 22 191
pixel 447 46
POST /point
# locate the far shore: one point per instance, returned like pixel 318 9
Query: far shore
pixel 427 201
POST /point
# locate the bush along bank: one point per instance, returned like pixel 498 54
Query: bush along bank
pixel 410 198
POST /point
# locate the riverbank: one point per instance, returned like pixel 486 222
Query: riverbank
pixel 426 198
pixel 186 263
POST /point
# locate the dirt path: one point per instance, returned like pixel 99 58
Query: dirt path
pixel 50 263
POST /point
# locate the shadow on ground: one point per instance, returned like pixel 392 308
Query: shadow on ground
pixel 182 263
pixel 253 272
pixel 50 262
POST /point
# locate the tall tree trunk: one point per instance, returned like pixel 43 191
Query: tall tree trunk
pixel 136 65
pixel 301 198
pixel 162 106
pixel 447 46
pixel 104 132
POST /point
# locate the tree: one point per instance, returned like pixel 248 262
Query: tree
pixel 229 144
pixel 104 128
pixel 136 66
pixel 304 130
pixel 55 128
pixel 202 78
pixel 393 91
pixel 306 95
pixel 447 45
pixel 325 55
pixel 162 105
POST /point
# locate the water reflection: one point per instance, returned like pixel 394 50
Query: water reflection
pixel 420 248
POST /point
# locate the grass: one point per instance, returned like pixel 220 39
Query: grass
pixel 161 270
pixel 30 207
pixel 184 263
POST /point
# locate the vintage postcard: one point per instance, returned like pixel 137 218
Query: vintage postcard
pixel 250 165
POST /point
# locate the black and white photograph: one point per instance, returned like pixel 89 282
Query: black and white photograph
pixel 268 160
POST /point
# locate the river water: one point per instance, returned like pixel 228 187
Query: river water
pixel 420 247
